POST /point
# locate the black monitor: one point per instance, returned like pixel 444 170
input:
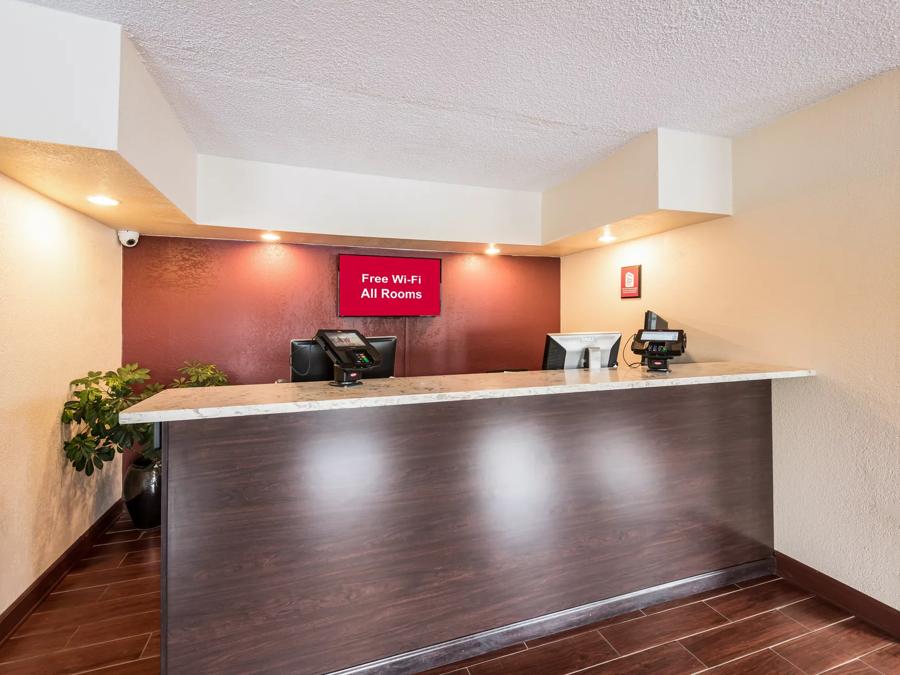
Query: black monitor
pixel 387 349
pixel 653 321
pixel 574 350
pixel 310 363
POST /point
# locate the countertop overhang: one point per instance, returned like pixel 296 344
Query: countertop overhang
pixel 266 399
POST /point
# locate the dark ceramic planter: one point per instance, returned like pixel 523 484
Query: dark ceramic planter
pixel 142 491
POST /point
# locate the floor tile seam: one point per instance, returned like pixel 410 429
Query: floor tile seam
pixel 750 616
pixel 806 629
pixel 720 626
pixel 713 597
pixel 92 644
pixel 112 583
pixel 861 657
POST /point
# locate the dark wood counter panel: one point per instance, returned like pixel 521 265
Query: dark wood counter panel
pixel 316 541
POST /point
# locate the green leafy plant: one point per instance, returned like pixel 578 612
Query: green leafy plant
pixel 93 415
pixel 92 412
pixel 196 374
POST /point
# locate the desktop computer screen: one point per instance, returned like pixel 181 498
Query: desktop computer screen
pixel 653 321
pixel 573 350
pixel 310 363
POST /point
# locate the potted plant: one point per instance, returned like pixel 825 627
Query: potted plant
pixel 196 374
pixel 95 437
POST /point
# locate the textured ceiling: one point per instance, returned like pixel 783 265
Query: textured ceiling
pixel 503 93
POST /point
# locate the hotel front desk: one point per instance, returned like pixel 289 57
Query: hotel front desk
pixel 408 523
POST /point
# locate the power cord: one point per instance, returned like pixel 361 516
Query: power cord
pixel 637 364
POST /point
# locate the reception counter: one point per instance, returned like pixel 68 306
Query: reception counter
pixel 408 523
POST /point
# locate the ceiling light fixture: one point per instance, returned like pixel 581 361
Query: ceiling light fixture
pixel 607 237
pixel 103 200
pixel 270 236
pixel 492 249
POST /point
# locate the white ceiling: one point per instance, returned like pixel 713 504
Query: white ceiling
pixel 502 93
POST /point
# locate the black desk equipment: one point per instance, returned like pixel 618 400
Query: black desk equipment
pixel 310 363
pixel 653 321
pixel 656 347
pixel 350 352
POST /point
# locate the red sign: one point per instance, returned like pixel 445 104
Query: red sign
pixel 371 285
pixel 631 281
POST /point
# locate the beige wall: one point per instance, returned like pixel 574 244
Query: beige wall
pixel 60 315
pixel 807 273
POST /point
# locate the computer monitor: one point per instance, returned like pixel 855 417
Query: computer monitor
pixel 653 321
pixel 310 363
pixel 573 350
pixel 386 345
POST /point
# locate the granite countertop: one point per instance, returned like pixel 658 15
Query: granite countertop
pixel 264 399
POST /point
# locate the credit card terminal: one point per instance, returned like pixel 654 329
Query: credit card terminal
pixel 350 352
pixel 658 346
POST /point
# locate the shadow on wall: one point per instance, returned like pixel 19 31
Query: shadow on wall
pixel 868 484
pixel 711 346
pixel 54 524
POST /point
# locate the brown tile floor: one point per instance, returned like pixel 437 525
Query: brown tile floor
pixel 103 618
pixel 765 627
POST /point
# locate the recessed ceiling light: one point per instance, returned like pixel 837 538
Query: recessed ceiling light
pixel 607 237
pixel 269 236
pixel 492 250
pixel 103 200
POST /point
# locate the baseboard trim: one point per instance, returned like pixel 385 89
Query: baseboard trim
pixel 497 638
pixel 16 613
pixel 838 593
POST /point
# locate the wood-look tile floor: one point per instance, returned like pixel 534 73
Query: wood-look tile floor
pixel 765 626
pixel 103 618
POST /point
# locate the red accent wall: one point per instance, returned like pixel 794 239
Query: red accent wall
pixel 238 304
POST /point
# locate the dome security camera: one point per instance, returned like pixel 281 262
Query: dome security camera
pixel 128 238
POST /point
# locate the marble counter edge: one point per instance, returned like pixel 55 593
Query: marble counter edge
pixel 275 408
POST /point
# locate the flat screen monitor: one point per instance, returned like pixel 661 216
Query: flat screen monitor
pixel 653 321
pixel 387 349
pixel 310 363
pixel 572 350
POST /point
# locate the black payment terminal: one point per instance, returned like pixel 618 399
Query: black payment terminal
pixel 350 352
pixel 657 347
